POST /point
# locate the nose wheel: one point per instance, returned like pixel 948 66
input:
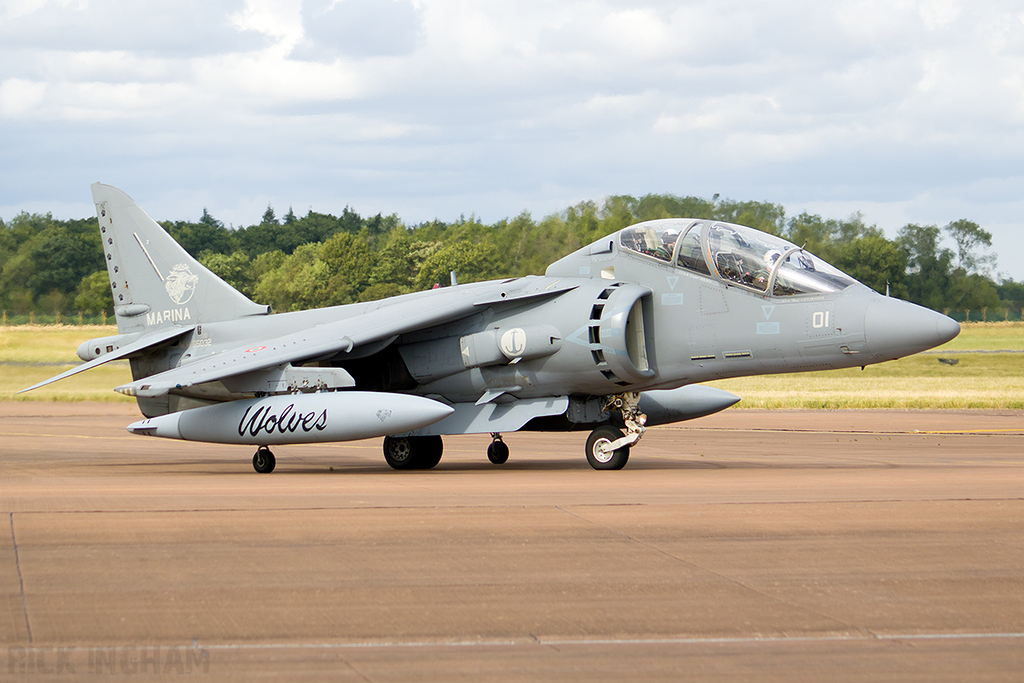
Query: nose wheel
pixel 601 451
pixel 264 461
pixel 607 447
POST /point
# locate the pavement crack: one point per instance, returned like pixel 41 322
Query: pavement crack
pixel 21 579
pixel 357 672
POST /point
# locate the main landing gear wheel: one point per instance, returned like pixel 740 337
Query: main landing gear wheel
pixel 497 452
pixel 599 455
pixel 430 450
pixel 264 461
pixel 413 452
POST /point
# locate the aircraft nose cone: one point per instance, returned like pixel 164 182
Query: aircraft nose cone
pixel 895 328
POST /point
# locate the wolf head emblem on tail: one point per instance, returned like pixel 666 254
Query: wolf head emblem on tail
pixel 181 284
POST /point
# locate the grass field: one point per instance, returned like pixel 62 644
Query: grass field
pixel 24 347
pixel 979 380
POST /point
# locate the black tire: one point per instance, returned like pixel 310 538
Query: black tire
pixel 427 451
pixel 399 452
pixel 413 452
pixel 601 460
pixel 497 452
pixel 264 461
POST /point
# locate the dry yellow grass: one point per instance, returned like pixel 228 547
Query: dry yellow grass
pixel 801 391
pixel 988 337
pixel 24 346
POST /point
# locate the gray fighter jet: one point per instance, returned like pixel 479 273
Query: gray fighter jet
pixel 613 338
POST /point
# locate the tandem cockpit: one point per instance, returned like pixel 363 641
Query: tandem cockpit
pixel 736 254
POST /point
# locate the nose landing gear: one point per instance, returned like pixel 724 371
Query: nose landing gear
pixel 600 452
pixel 607 447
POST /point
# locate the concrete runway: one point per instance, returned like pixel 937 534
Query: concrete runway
pixel 789 546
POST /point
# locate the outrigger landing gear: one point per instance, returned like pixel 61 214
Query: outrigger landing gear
pixel 413 452
pixel 607 447
pixel 497 452
pixel 264 461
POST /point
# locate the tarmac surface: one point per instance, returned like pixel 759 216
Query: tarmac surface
pixel 750 545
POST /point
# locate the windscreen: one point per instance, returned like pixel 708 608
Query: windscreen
pixel 759 260
pixel 737 254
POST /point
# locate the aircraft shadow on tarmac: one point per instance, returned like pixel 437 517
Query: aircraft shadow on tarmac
pixel 231 466
pixel 572 466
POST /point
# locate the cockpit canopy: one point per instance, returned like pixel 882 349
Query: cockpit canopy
pixel 736 254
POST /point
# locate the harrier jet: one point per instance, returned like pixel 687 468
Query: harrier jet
pixel 612 339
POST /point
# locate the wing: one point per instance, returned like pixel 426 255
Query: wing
pixel 148 341
pixel 392 318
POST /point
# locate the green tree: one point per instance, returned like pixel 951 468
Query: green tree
pixel 875 261
pixel 383 290
pixel 263 238
pixel 1012 293
pixel 319 227
pixel 929 265
pixel 61 257
pixel 93 294
pixel 394 264
pixel 234 268
pixel 973 292
pixel 472 263
pixel 969 237
pixel 260 268
pixel 300 280
pixel 762 216
pixel 515 244
pixel 583 223
pixel 14 283
pixel 42 255
pixel 53 302
pixel 349 264
pixel 812 232
pixel 618 211
pixel 208 235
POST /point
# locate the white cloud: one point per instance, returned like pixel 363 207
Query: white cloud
pixel 938 13
pixel 358 28
pixel 442 107
pixel 15 9
pixel 20 98
pixel 280 20
pixel 169 27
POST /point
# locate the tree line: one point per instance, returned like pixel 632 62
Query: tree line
pixel 49 265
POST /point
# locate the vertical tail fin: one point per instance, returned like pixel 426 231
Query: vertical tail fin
pixel 154 281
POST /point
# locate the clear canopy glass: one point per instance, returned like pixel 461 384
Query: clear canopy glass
pixel 737 254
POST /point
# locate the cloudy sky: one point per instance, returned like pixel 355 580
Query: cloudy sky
pixel 905 110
